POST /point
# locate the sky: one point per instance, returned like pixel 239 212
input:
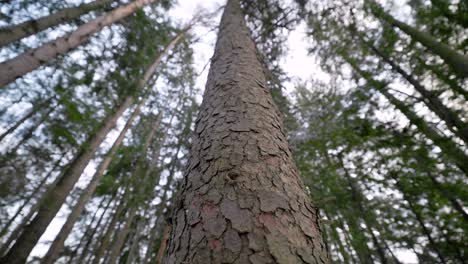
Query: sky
pixel 297 64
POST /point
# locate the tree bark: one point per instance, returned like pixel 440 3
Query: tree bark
pixel 18 66
pixel 241 198
pixel 28 28
pixel 57 195
pixel 457 61
pixel 57 245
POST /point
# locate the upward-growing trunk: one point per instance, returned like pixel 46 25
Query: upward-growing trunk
pixel 30 27
pixel 59 241
pixel 58 193
pixel 18 66
pixel 453 58
pixel 32 112
pixel 453 122
pixel 241 198
pixel 449 148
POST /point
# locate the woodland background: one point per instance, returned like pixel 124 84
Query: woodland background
pixel 374 97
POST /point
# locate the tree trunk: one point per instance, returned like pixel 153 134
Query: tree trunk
pixel 448 147
pixel 121 235
pixel 419 219
pixel 33 111
pixel 457 61
pixel 18 66
pixel 59 241
pixel 88 234
pixel 17 231
pixel 28 28
pixel 241 198
pixel 104 242
pixel 452 83
pixel 430 99
pixel 55 198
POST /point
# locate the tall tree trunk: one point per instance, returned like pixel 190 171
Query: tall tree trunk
pixel 32 112
pixel 121 235
pixel 18 66
pixel 419 219
pixel 241 198
pixel 30 27
pixel 57 195
pixel 134 242
pixel 89 233
pixel 454 123
pixel 452 83
pixel 59 241
pixel 448 147
pixel 32 210
pixel 457 61
pixel 104 242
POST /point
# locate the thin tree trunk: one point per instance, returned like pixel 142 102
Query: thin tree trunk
pixel 28 28
pixel 16 67
pixel 89 232
pixel 17 231
pixel 102 246
pixel 134 243
pixel 25 117
pixel 30 132
pixel 457 61
pixel 452 83
pixel 431 100
pixel 34 193
pixel 121 235
pixel 55 198
pixel 448 147
pixel 162 247
pixel 239 150
pixel 57 245
pixel 419 219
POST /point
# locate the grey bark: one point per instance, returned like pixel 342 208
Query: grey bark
pixel 18 66
pixel 28 28
pixel 241 199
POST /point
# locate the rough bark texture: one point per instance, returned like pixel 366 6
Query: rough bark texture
pixel 18 66
pixel 57 195
pixel 242 200
pixel 30 27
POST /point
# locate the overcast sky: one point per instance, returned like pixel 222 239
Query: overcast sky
pixel 297 64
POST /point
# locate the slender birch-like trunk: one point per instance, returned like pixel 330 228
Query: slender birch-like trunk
pixel 16 32
pixel 18 66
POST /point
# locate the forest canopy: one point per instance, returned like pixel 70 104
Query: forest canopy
pixel 269 131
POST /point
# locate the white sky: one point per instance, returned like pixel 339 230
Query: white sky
pixel 297 64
